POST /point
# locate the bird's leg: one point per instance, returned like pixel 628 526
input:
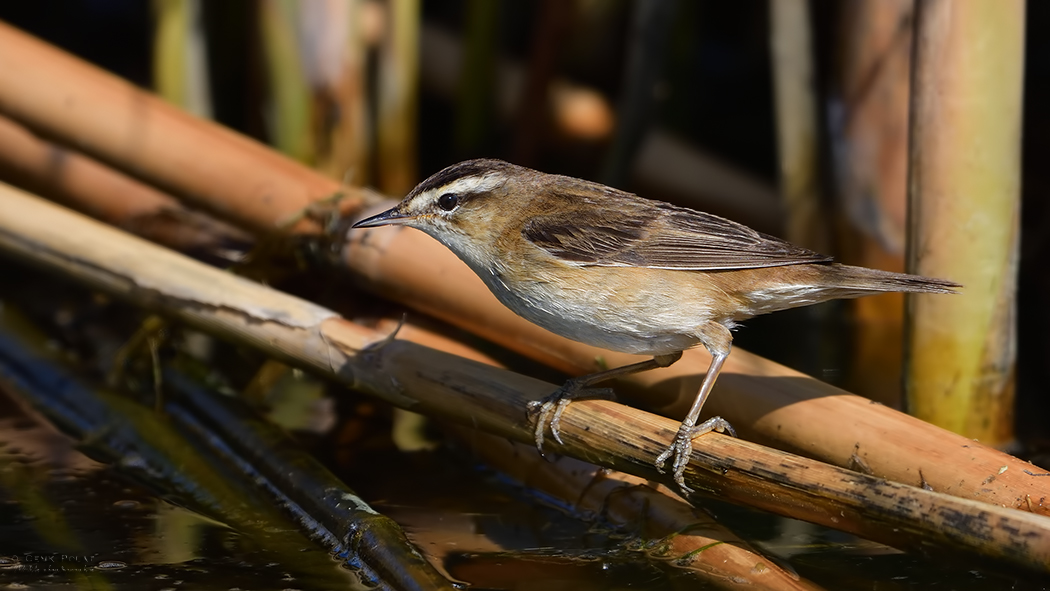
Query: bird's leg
pixel 718 341
pixel 548 410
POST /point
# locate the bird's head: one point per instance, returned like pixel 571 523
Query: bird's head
pixel 464 206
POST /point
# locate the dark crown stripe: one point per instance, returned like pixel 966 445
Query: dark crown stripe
pixel 457 171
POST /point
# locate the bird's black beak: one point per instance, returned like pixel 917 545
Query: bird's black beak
pixel 392 216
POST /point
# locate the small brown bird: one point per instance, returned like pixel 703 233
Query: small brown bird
pixel 613 270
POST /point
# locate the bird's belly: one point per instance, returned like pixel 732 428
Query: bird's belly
pixel 610 310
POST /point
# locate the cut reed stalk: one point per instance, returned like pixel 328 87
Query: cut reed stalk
pixel 398 99
pixel 794 82
pixel 964 208
pixel 871 141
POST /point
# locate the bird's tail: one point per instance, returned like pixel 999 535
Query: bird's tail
pixel 864 281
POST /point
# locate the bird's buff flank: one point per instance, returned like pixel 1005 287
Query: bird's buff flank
pixel 613 270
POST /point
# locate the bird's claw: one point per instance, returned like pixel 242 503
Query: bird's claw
pixel 548 410
pixel 682 447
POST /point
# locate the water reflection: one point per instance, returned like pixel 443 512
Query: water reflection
pixel 69 521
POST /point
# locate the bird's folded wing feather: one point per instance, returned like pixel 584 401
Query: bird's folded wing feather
pixel 659 235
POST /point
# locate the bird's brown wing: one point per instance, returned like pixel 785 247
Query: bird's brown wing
pixel 659 235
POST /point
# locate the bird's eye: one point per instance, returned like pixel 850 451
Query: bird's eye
pixel 448 201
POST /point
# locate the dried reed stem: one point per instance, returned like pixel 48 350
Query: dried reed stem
pixel 964 206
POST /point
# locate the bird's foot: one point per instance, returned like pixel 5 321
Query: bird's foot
pixel 548 410
pixel 682 447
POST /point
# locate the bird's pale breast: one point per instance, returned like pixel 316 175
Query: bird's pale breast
pixel 627 309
